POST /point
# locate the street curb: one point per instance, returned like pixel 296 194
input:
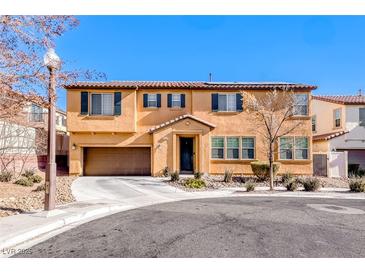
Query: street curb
pixel 40 230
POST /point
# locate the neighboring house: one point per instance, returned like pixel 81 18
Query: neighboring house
pixel 23 138
pixel 338 125
pixel 144 127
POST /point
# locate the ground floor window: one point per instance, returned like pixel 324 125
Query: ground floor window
pixel 294 148
pixel 217 147
pixel 233 148
pixel 248 148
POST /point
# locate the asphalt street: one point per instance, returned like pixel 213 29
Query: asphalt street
pixel 220 227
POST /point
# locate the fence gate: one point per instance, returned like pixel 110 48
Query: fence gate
pixel 320 165
pixel 337 164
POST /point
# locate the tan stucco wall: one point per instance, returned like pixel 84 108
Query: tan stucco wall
pixel 85 123
pixel 112 131
pixel 324 115
pixel 321 146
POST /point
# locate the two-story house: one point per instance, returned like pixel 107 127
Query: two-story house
pixel 338 125
pixel 23 134
pixel 143 127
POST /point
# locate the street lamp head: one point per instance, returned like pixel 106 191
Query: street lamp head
pixel 51 59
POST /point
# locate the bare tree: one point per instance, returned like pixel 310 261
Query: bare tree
pixel 23 41
pixel 272 116
pixel 24 79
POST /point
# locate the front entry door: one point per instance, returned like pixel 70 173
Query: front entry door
pixel 186 155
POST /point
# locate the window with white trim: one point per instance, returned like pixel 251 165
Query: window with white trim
pixel 151 100
pixel 233 147
pixel 248 148
pixel 227 102
pixel 217 147
pixel 294 148
pixel 102 104
pixel 314 123
pixel 362 117
pixel 337 117
pixel 301 148
pixel 300 104
pixel 176 100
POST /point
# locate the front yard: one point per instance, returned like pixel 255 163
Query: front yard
pixel 15 199
pixel 212 182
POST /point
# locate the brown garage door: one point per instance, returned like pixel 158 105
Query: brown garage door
pixel 100 161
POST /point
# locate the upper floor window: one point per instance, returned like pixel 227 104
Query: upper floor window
pixel 36 114
pixel 102 104
pixel 294 148
pixel 229 102
pixel 300 104
pixel 362 117
pixel 337 117
pixel 63 121
pixel 217 147
pixel 152 100
pixel 314 123
pixel 176 100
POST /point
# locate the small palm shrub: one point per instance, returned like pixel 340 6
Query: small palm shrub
pixel 41 187
pixel 262 169
pixel 166 172
pixel 286 178
pixel 194 183
pixel 291 185
pixel 24 182
pixel 6 176
pixel 311 184
pixel 36 178
pixel 228 173
pixel 28 173
pixel 357 184
pixel 250 186
pixel 198 175
pixel 175 176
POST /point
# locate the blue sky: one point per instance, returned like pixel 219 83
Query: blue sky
pixel 325 51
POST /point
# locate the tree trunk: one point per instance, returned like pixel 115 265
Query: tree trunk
pixel 271 167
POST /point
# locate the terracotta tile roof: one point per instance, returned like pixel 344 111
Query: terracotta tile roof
pixel 328 136
pixel 179 118
pixel 187 85
pixel 342 99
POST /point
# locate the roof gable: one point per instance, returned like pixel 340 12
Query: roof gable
pixel 342 99
pixel 180 118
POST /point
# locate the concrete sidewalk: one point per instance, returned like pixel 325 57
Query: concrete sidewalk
pixel 102 196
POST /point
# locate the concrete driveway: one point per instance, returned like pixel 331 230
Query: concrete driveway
pixel 131 190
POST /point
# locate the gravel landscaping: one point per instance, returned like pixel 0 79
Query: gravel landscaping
pixel 16 199
pixel 216 182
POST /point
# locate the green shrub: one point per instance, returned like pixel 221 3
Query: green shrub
pixel 357 184
pixel 175 176
pixel 291 185
pixel 286 178
pixel 36 178
pixel 6 176
pixel 41 187
pixel 28 173
pixel 24 182
pixel 228 173
pixel 311 184
pixel 198 175
pixel 194 183
pixel 250 186
pixel 262 169
pixel 166 172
